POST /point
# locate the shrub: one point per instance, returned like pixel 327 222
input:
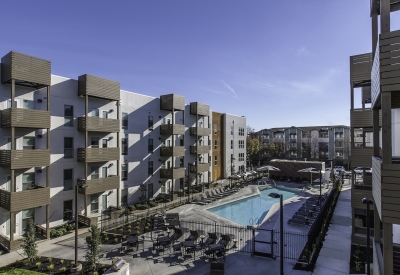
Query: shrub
pixel 131 207
pixel 153 203
pixel 50 267
pixel 63 269
pixel 116 240
pixel 26 262
pixel 61 261
pixel 71 226
pixel 72 262
pixel 30 246
pixel 49 259
pixel 38 264
pixel 38 257
pixel 95 273
pixel 53 233
pixel 93 247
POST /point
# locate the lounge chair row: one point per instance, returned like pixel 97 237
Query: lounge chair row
pixel 213 195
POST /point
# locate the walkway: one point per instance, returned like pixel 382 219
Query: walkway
pixel 334 257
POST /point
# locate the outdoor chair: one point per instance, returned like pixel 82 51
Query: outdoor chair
pixel 194 235
pixel 226 193
pixel 225 240
pixel 206 199
pixel 299 220
pixel 177 234
pixel 177 249
pixel 213 193
pixel 198 200
pixel 309 213
pixel 212 196
pixel 212 238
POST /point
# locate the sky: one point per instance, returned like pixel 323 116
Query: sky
pixel 279 63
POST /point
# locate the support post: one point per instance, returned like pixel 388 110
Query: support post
pixel 281 233
pixel 118 160
pixel 387 248
pixel 377 226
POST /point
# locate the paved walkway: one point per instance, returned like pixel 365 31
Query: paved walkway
pixel 334 257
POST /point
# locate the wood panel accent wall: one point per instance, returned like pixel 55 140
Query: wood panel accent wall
pixel 217 170
pixel 175 151
pixel 17 201
pixel 25 118
pixel 172 101
pixel 98 87
pixel 199 149
pixel 356 197
pixel 26 68
pixel 100 185
pixel 98 124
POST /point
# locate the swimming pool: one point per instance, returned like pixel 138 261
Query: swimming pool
pixel 253 207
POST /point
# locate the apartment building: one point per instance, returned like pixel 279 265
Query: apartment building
pixel 116 147
pixel 312 142
pixel 377 75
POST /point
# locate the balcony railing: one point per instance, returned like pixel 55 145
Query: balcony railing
pixel 201 168
pixel 197 108
pixel 200 149
pixel 172 173
pixel 172 101
pixel 361 157
pixel 16 201
pixel 99 185
pixel 25 118
pixel 172 129
pixel 98 154
pixel 20 159
pixel 200 131
pixel 98 87
pixel 172 151
pixel 360 69
pixel 97 124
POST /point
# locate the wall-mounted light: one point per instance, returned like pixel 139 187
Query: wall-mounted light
pixel 111 110
pixel 110 138
pixel 111 164
pixel 159 138
pixel 39 100
pixel 159 159
pixel 39 171
pixel 39 136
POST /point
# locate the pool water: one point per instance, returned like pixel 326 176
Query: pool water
pixel 255 207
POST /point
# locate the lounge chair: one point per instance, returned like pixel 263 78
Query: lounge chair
pixel 225 240
pixel 177 234
pixel 194 235
pixel 208 196
pixel 207 199
pixel 226 193
pixel 199 200
pixel 212 239
pixel 217 195
pixel 308 213
pixel 299 220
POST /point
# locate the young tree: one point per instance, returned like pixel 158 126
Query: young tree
pixel 93 246
pixel 30 246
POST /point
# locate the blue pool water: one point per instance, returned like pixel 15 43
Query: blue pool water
pixel 253 207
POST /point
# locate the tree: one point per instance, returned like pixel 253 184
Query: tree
pixel 252 146
pixel 30 246
pixel 93 246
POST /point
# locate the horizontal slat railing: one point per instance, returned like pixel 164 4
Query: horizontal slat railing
pixel 25 118
pixel 98 124
pixel 98 154
pixel 99 185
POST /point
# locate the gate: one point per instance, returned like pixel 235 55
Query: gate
pixel 263 242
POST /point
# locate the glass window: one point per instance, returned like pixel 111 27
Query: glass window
pixel 232 130
pixel 28 104
pixel 215 129
pixel 94 172
pixel 105 114
pixel 67 212
pixel 215 144
pixel 124 120
pixel 150 122
pixel 149 190
pixel 124 171
pixel 231 144
pixel 124 146
pixel 104 203
pixel 94 142
pixel 94 204
pixel 104 172
pixel 28 181
pixel 150 145
pixel 95 112
pixel 68 179
pixel 68 147
pixel 150 168
pixel 28 143
pixel 104 143
pixel 26 216
pixel 68 115
pixel 124 197
pixel 215 160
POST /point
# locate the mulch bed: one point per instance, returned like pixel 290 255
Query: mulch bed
pixel 58 265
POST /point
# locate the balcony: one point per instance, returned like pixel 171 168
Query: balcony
pixel 25 118
pixel 197 108
pixel 17 201
pixel 360 69
pixel 172 129
pixel 201 168
pixel 172 173
pixel 172 151
pixel 361 157
pixel 97 124
pixel 386 190
pixel 200 149
pixel 98 154
pixel 172 102
pixel 363 118
pixel 20 159
pixel 386 69
pixel 26 70
pixel 89 85
pixel 95 186
pixel 199 131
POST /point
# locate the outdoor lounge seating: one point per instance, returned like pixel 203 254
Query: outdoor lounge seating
pixel 212 238
pixel 177 234
pixel 194 235
pixel 299 220
pixel 308 213
pixel 206 199
pixel 211 193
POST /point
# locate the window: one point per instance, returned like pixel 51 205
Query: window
pixel 150 145
pixel 67 212
pixel 124 120
pixel 124 148
pixel 104 204
pixel 28 143
pixel 94 172
pixel 241 156
pixel 241 143
pixel 150 122
pixel 105 114
pixel 68 115
pixel 67 179
pixel 149 190
pixel 104 143
pixel 215 144
pixel 95 112
pixel 104 172
pixel 215 129
pixel 150 168
pixel 124 171
pixel 124 197
pixel 293 136
pixel 215 160
pixel 68 147
pixel 28 181
pixel 94 142
pixel 241 131
pixel 28 104
pixel 94 204
pixel 26 216
pixel 231 144
pixel 306 134
pixel 231 130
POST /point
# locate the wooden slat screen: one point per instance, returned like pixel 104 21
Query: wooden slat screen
pixel 98 124
pixel 200 131
pixel 361 157
pixel 172 101
pixel 98 87
pixel 100 185
pixel 360 68
pixel 30 198
pixel 98 154
pixel 25 118
pixel 363 118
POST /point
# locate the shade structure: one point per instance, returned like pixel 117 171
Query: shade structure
pixel 310 170
pixel 268 168
pixel 322 180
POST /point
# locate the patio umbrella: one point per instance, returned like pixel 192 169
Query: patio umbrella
pixel 268 168
pixel 313 170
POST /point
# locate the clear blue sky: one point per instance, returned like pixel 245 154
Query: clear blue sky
pixel 279 63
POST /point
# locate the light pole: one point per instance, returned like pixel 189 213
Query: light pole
pixel 368 202
pixel 273 195
pixel 77 267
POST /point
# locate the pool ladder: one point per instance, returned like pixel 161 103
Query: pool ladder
pixel 253 221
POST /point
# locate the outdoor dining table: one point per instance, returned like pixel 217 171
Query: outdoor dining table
pixel 163 240
pixel 215 247
pixel 190 244
pixel 132 240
